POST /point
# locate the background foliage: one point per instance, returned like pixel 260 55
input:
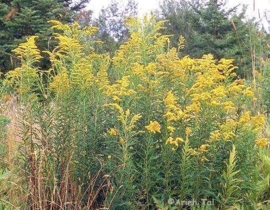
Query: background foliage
pixel 20 19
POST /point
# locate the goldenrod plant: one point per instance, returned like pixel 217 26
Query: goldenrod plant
pixel 230 184
pixel 144 129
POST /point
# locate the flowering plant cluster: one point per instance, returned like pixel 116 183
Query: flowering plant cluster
pixel 147 123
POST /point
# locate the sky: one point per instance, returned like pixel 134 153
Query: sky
pixel 147 5
pixel 254 10
pixel 143 5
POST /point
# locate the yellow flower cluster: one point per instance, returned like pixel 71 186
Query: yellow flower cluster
pixel 61 83
pixel 119 89
pixel 187 93
pixel 208 89
pixel 113 132
pixel 174 141
pixel 173 111
pixel 261 142
pixel 70 64
pixel 188 131
pixel 28 52
pixel 229 129
pixel 258 121
pixel 200 152
pixel 246 122
pixel 74 31
pixel 24 78
pixel 153 127
pixel 204 147
pixel 126 118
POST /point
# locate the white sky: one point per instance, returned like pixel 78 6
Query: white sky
pixel 260 6
pixel 147 5
pixel 143 5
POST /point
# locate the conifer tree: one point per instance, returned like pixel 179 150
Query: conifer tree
pixel 208 27
pixel 22 18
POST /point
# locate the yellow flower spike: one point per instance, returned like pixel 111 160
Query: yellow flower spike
pixel 244 118
pixel 174 142
pixel 228 135
pixel 170 99
pixel 135 118
pixel 215 135
pixel 113 132
pixel 153 127
pixel 228 105
pixel 214 103
pixel 179 139
pixel 127 112
pixel 258 121
pixel 194 107
pixel 116 98
pixel 204 147
pixel 150 68
pixel 115 105
pixel 141 87
pixel 249 93
pixel 169 140
pixel 170 116
pixel 133 121
pixel 109 157
pixel 261 142
pixel 171 129
pixel 130 92
pixel 193 152
pixel 61 83
pixel 102 76
pixel 180 114
pixel 120 88
pixel 230 124
pixel 28 50
pixel 188 131
pixel 121 140
pixel 219 91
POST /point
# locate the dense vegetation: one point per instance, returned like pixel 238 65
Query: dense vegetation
pixel 22 18
pixel 145 126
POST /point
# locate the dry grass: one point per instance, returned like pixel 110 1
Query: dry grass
pixel 10 109
pixel 37 188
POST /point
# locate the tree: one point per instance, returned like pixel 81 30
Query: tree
pixel 178 15
pixel 111 24
pixel 208 27
pixel 22 18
